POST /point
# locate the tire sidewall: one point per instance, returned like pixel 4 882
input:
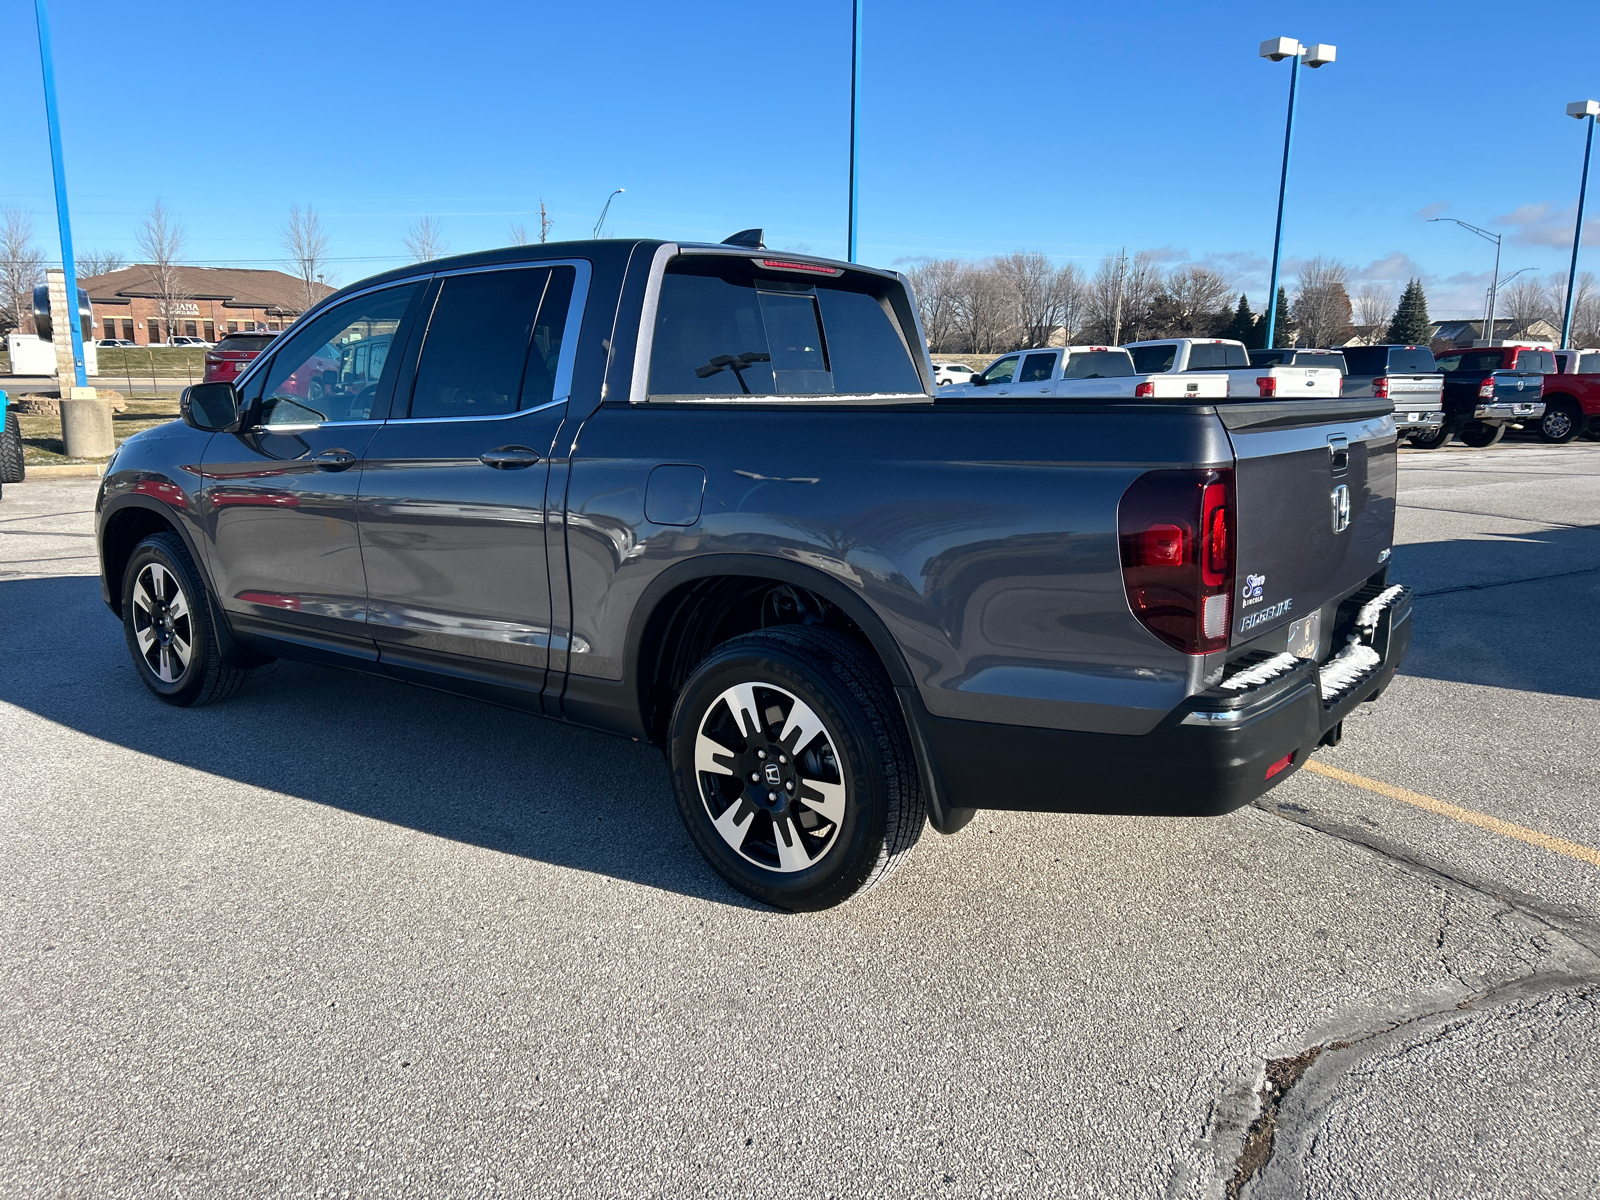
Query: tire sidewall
pixel 190 684
pixel 1574 423
pixel 855 850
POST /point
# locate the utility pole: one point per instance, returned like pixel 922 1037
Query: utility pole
pixel 63 220
pixel 544 223
pixel 855 112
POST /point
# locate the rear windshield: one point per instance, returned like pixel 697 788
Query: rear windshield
pixel 1589 364
pixel 244 342
pixel 1268 358
pixel 1542 361
pixel 724 329
pixel 1216 356
pixel 1098 364
pixel 1152 360
pixel 1335 361
pixel 1469 361
pixel 1411 360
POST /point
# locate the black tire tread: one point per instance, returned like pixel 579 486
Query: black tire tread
pixel 220 680
pixel 12 468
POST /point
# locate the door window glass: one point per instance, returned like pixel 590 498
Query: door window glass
pixel 1589 364
pixel 493 342
pixel 1099 364
pixel 308 381
pixel 1002 371
pixel 1037 368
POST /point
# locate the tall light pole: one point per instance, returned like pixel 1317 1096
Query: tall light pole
pixel 601 223
pixel 1320 55
pixel 1579 109
pixel 63 221
pixel 1494 280
pixel 855 112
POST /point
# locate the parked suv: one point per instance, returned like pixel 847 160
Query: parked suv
pixel 236 351
pixel 1571 397
pixel 1487 388
pixel 1409 376
pixel 946 373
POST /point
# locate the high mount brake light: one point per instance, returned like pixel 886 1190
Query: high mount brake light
pixel 784 264
pixel 1268 384
pixel 1380 388
pixel 1144 390
pixel 1177 549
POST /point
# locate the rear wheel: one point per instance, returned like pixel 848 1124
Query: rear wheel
pixel 1480 436
pixel 792 768
pixel 11 468
pixel 167 622
pixel 1434 438
pixel 1562 421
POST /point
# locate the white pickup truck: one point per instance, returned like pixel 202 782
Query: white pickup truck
pixel 1218 356
pixel 1080 373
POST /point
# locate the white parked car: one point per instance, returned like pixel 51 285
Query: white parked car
pixel 1081 373
pixel 946 373
pixel 1231 361
pixel 189 341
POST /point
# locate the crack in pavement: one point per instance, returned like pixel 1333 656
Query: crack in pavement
pixel 1478 587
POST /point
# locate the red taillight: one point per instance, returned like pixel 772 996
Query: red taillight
pixel 1486 389
pixel 212 360
pixel 1143 391
pixel 1268 384
pixel 1283 764
pixel 1338 389
pixel 1176 533
pixel 1380 388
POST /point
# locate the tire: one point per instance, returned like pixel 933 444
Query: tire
pixel 11 466
pixel 167 611
pixel 1434 438
pixel 812 794
pixel 1562 421
pixel 1480 436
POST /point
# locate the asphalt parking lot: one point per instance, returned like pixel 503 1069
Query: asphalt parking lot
pixel 343 937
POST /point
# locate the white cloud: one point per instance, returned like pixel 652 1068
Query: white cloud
pixel 1544 224
pixel 1428 212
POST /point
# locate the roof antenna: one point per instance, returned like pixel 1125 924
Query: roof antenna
pixel 751 239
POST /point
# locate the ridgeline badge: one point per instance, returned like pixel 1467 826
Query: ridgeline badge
pixel 1251 620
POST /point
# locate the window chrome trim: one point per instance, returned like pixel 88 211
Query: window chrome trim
pixel 521 412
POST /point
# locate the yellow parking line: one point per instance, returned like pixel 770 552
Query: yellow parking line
pixel 1456 813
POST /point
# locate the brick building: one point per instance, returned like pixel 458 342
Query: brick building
pixel 209 302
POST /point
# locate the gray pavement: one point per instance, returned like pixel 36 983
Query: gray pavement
pixel 341 936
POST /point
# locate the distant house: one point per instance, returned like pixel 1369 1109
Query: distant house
pixel 1454 334
pixel 208 302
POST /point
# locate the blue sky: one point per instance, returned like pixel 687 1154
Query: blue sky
pixel 1067 128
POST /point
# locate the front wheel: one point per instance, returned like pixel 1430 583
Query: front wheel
pixel 1432 439
pixel 11 468
pixel 1562 421
pixel 1480 436
pixel 167 622
pixel 792 768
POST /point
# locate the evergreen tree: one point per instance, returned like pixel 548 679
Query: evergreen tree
pixel 1283 324
pixel 1243 325
pixel 1411 326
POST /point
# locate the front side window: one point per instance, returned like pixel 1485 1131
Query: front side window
pixel 726 329
pixel 1002 371
pixel 1152 360
pixel 492 343
pixel 1098 364
pixel 305 383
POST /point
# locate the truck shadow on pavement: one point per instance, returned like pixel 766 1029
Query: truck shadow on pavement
pixel 442 765
pixel 1509 612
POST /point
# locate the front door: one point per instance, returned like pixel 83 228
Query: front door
pixel 453 501
pixel 279 499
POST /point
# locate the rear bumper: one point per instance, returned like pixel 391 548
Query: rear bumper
pixel 1409 419
pixel 1208 757
pixel 1521 410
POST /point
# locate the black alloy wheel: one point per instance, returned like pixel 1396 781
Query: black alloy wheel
pixel 1432 439
pixel 792 768
pixel 1481 436
pixel 1562 421
pixel 169 627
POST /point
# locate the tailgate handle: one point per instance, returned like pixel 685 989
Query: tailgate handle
pixel 1339 453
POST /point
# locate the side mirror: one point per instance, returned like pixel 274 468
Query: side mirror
pixel 979 381
pixel 210 407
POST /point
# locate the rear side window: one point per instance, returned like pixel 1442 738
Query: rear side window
pixel 1470 361
pixel 1410 360
pixel 492 343
pixel 1099 364
pixel 723 329
pixel 1037 368
pixel 1152 360
pixel 1213 356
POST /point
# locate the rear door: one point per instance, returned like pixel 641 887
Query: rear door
pixel 1315 492
pixel 1036 373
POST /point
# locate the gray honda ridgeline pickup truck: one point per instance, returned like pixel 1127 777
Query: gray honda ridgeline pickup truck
pixel 709 497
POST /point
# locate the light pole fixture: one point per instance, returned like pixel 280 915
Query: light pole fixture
pixel 1494 280
pixel 1319 55
pixel 601 223
pixel 1579 109
pixel 855 101
pixel 69 264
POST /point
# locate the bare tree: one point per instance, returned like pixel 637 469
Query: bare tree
pixel 1585 333
pixel 1119 298
pixel 426 241
pixel 1194 302
pixel 160 240
pixel 100 262
pixel 307 244
pixel 1527 302
pixel 21 269
pixel 935 284
pixel 1072 296
pixel 1322 307
pixel 1374 310
pixel 544 223
pixel 1033 287
pixel 519 234
pixel 983 308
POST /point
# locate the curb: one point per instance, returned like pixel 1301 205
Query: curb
pixel 64 471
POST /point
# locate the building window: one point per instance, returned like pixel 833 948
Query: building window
pixel 155 332
pixel 127 329
pixel 211 331
pixel 190 329
pixel 233 327
pixel 273 326
pixel 111 328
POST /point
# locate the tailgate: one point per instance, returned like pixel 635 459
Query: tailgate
pixel 1419 393
pixel 1315 496
pixel 1297 383
pixel 1188 385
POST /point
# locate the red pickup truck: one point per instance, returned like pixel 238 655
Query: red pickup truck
pixel 1572 397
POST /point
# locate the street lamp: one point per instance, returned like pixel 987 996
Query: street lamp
pixel 1579 109
pixel 855 95
pixel 1494 280
pixel 1320 55
pixel 69 266
pixel 601 223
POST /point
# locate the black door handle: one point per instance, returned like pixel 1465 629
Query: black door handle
pixel 334 460
pixel 509 458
